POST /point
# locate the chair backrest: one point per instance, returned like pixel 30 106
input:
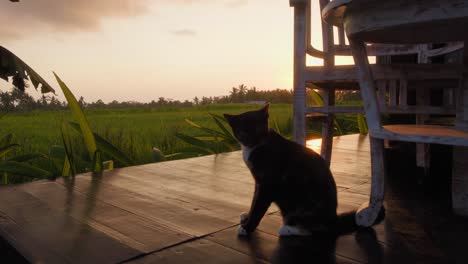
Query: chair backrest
pixel 338 47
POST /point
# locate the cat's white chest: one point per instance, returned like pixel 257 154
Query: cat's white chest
pixel 246 151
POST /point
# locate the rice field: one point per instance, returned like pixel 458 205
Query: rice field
pixel 136 131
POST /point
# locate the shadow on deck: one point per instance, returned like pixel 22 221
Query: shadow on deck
pixel 187 211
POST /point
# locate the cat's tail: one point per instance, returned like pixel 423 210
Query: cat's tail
pixel 346 222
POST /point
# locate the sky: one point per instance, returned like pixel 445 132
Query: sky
pixel 139 50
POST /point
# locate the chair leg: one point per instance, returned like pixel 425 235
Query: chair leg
pixel 460 180
pixel 368 213
pixel 327 126
pixel 327 138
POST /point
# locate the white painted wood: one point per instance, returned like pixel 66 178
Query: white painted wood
pixel 368 212
pixel 327 127
pixel 445 135
pixel 412 72
pixel 299 128
pixel 398 20
pixel 404 110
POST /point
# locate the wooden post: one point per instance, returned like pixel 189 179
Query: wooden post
pixel 299 126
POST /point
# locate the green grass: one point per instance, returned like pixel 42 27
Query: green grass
pixel 134 130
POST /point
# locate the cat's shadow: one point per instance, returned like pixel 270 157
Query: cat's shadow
pixel 322 248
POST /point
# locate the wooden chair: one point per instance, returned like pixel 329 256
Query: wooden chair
pixel 331 78
pixel 360 28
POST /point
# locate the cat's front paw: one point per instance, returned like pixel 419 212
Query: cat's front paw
pixel 242 232
pixel 243 218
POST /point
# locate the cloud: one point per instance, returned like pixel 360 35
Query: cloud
pixel 227 3
pixel 236 3
pixel 20 19
pixel 185 32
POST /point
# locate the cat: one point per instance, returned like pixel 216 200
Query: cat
pixel 294 177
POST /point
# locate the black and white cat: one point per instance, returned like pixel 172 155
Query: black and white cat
pixel 294 177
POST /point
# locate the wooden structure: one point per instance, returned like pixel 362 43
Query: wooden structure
pixel 393 85
pixel 187 211
pixel 372 21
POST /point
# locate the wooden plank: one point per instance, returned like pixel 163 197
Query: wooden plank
pixel 171 214
pixel 424 134
pixel 132 230
pixel 412 72
pixel 198 251
pixel 43 234
pixel 259 245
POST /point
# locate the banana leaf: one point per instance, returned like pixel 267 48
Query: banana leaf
pixel 12 65
pixel 23 169
pixel 5 149
pixel 107 148
pixel 68 164
pixel 86 132
pixel 362 124
pixel 28 157
pixel 218 120
pixel 6 140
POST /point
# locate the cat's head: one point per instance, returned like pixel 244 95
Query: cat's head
pixel 250 127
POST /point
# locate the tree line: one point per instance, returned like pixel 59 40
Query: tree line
pixel 18 100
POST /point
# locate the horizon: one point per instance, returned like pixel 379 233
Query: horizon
pixel 141 50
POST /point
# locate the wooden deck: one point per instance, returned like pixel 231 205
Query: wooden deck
pixel 187 211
